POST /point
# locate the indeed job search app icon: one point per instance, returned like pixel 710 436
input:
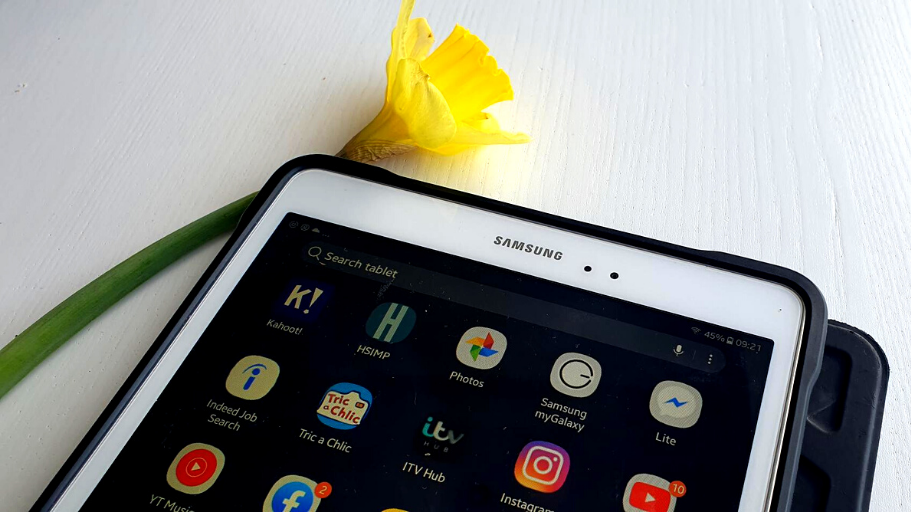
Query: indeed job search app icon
pixel 344 406
pixel 292 493
pixel 481 347
pixel 196 468
pixel 675 404
pixel 252 377
pixel 303 300
pixel 575 375
pixel 542 466
pixel 391 322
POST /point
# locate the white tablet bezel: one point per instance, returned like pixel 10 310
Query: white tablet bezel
pixel 659 281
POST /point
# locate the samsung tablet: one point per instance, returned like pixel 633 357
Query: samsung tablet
pixel 365 343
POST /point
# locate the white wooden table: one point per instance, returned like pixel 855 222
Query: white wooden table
pixel 772 129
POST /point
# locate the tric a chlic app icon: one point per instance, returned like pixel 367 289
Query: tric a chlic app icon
pixel 481 347
pixel 302 300
pixel 675 404
pixel 542 466
pixel 344 406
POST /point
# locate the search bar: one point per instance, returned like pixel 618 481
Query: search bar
pixel 535 311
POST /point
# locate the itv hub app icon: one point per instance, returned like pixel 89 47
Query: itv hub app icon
pixel 344 406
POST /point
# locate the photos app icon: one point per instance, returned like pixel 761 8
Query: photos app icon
pixel 481 347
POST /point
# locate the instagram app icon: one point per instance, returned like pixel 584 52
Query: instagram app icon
pixel 542 466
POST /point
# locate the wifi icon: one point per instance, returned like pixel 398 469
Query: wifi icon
pixel 695 330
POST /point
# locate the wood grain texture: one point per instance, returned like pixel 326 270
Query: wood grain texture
pixel 773 129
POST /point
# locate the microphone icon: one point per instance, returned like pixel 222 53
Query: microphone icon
pixel 678 350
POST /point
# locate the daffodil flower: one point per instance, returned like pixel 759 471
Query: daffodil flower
pixel 435 102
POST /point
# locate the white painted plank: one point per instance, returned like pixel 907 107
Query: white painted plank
pixel 772 129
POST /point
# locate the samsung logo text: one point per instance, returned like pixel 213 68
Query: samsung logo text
pixel 537 250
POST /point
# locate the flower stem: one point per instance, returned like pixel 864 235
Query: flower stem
pixel 41 339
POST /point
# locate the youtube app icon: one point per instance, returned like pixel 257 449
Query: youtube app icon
pixel 648 493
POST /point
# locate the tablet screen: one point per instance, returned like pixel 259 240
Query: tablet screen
pixel 352 372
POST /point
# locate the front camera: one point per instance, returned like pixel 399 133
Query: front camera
pixel 614 275
pixel 587 268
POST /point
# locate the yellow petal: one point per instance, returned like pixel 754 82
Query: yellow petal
pixel 468 78
pixel 479 130
pixel 411 39
pixel 421 107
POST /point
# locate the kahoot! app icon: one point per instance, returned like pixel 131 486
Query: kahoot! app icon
pixel 542 466
pixel 481 348
pixel 675 404
pixel 252 377
pixel 195 468
pixel 391 322
pixel 292 494
pixel 344 406
pixel 303 300
pixel 648 493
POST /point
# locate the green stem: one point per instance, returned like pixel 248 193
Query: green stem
pixel 41 339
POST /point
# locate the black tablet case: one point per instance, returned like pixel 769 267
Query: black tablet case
pixel 807 369
pixel 843 424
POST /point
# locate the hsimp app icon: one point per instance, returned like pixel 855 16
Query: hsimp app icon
pixel 542 466
pixel 391 322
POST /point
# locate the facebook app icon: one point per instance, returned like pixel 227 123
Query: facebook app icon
pixel 292 494
pixel 391 322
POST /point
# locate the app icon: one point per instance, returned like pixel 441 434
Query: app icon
pixel 575 375
pixel 292 493
pixel 481 348
pixel 391 322
pixel 542 466
pixel 195 468
pixel 252 377
pixel 438 438
pixel 344 406
pixel 675 404
pixel 648 493
pixel 303 300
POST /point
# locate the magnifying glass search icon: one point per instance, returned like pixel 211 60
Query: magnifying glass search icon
pixel 315 252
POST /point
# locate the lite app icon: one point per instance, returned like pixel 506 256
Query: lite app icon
pixel 344 406
pixel 252 377
pixel 391 322
pixel 195 468
pixel 575 375
pixel 292 493
pixel 481 347
pixel 542 466
pixel 648 493
pixel 675 404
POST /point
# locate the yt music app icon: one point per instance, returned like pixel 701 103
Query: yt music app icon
pixel 675 404
pixel 195 468
pixel 542 466
pixel 481 348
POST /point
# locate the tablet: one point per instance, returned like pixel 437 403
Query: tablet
pixel 367 344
